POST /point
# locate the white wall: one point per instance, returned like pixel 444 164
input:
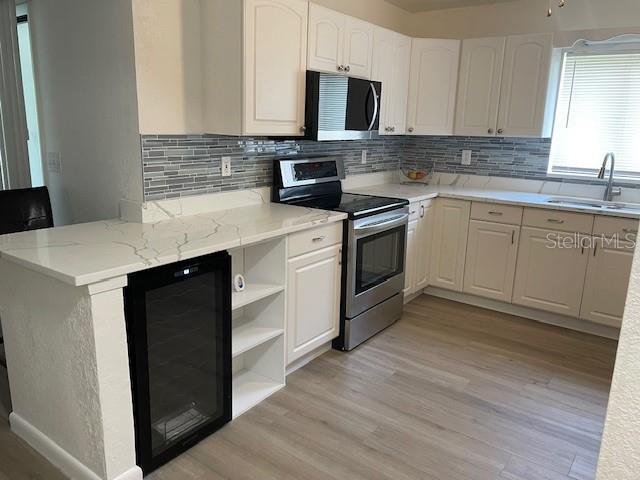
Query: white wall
pixel 85 75
pixel 620 451
pixel 525 16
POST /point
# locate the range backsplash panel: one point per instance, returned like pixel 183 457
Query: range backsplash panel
pixel 182 165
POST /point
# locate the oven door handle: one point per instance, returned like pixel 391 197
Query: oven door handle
pixel 365 229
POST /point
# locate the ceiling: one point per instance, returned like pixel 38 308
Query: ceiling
pixel 424 5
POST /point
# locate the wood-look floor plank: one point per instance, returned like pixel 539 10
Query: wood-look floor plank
pixel 450 392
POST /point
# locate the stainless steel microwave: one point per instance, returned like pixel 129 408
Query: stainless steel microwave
pixel 341 108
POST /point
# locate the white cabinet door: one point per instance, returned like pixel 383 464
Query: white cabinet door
pixel 525 80
pixel 358 47
pixel 432 86
pixel 275 44
pixel 491 260
pixel 479 86
pixel 550 273
pixel 384 46
pixel 424 244
pixel 410 258
pixel 391 62
pixel 326 39
pixel 607 282
pixel 313 300
pixel 451 226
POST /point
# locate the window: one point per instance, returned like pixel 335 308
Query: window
pixel 598 111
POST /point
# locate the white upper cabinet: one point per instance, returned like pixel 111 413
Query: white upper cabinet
pixel 275 44
pixel 479 90
pixel 339 43
pixel 504 86
pixel 525 80
pixel 358 47
pixel 432 87
pixel 391 61
pixel 326 39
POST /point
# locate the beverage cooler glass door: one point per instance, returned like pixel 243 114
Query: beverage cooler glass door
pixel 179 329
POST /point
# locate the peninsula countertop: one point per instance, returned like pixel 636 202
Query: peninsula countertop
pixel 416 193
pixel 88 253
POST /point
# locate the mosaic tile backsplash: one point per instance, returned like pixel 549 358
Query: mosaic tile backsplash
pixel 181 165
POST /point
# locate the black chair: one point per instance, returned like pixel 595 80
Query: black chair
pixel 22 210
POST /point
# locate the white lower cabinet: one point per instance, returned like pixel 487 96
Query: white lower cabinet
pixel 313 300
pixel 607 282
pixel 418 254
pixel 450 228
pixel 551 272
pixel 491 260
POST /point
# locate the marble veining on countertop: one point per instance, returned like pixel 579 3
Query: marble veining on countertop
pixel 92 252
pixel 416 192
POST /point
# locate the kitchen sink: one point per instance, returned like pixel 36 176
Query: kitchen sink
pixel 601 204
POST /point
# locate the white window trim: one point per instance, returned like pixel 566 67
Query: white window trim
pixel 628 43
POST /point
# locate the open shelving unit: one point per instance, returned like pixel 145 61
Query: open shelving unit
pixel 257 339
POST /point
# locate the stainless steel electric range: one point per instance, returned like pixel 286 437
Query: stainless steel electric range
pixel 375 240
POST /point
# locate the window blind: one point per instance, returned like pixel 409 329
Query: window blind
pixel 598 111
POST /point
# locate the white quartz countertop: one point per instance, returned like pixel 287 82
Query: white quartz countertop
pixel 92 252
pixel 415 193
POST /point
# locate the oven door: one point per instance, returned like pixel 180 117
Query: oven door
pixel 375 267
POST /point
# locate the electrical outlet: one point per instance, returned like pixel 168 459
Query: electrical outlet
pixel 226 166
pixel 466 157
pixel 364 157
pixel 54 162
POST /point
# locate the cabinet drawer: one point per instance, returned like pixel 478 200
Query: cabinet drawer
pixel 414 211
pixel 492 212
pixel 557 220
pixel 624 228
pixel 314 239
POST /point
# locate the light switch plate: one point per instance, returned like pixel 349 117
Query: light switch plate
pixel 466 157
pixel 54 162
pixel 226 166
pixel 364 157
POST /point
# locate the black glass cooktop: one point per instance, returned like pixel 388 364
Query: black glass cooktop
pixel 353 204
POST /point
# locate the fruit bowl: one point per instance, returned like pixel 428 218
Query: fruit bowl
pixel 414 176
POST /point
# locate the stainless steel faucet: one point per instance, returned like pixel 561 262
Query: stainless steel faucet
pixel 610 191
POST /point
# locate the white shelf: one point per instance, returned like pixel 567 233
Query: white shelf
pixel 247 336
pixel 252 293
pixel 249 389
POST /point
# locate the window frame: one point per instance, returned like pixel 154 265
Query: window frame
pixel 623 44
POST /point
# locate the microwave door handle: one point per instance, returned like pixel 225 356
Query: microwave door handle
pixel 374 92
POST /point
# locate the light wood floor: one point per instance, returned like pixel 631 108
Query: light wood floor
pixel 450 392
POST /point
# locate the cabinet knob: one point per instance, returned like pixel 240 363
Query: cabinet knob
pixel 340 68
pixel 410 129
pixel 347 68
pixel 490 131
pixel 393 129
pixel 500 131
pixel 303 129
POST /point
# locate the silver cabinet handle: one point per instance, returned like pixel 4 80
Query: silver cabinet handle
pixel 595 249
pixel 490 131
pixel 421 211
pixel 393 129
pixel 555 220
pixel 347 68
pixel 500 131
pixel 303 129
pixel 513 236
pixel 410 129
pixel 318 239
pixel 340 68
pixel 499 214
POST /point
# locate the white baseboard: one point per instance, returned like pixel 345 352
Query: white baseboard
pixel 312 355
pixel 525 312
pixel 59 457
